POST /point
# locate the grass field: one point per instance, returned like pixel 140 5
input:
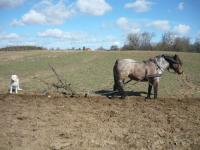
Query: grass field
pixel 33 121
pixel 92 71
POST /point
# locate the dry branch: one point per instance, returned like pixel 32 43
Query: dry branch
pixel 62 85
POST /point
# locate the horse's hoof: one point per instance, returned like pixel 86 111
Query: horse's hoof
pixel 146 98
pixel 123 97
pixel 110 97
pixel 155 97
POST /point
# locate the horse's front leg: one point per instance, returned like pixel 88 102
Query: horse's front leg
pixel 155 87
pixel 149 88
pixel 149 91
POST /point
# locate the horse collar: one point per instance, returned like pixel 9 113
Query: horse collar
pixel 158 66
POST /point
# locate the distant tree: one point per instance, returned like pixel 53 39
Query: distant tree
pixel 22 48
pixel 167 41
pixel 181 44
pixel 127 47
pixel 196 45
pixel 101 48
pixel 136 41
pixel 58 49
pixel 114 48
pixel 133 41
pixel 145 40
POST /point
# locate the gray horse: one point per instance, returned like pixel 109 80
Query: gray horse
pixel 147 71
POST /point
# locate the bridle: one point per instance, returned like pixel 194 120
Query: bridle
pixel 171 62
pixel 171 66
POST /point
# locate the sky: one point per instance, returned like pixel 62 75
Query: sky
pixel 94 23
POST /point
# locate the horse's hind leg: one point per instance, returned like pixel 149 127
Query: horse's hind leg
pixel 114 87
pixel 121 89
pixel 155 87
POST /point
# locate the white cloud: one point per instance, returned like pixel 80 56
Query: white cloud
pixel 10 3
pixel 127 26
pixel 112 40
pixel 53 33
pixel 16 22
pixel 59 34
pixel 46 12
pixel 140 5
pixel 181 6
pixel 30 43
pixel 33 17
pixel 160 24
pixel 9 36
pixel 50 13
pixel 182 29
pixel 93 7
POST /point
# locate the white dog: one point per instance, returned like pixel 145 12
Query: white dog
pixel 14 84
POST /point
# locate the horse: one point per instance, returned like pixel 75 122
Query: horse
pixel 145 71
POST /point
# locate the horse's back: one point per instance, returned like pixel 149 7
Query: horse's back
pixel 130 68
pixel 124 62
pixel 123 67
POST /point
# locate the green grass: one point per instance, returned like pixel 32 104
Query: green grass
pixel 91 71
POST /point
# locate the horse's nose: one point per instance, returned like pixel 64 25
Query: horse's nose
pixel 181 72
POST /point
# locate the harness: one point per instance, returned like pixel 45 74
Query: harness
pixel 157 65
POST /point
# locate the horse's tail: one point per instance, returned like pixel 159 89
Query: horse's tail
pixel 116 76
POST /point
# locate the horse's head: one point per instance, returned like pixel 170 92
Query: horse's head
pixel 175 63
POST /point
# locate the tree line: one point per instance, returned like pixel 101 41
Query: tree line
pixel 169 42
pixel 22 48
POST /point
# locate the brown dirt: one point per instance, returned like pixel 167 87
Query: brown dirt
pixel 30 122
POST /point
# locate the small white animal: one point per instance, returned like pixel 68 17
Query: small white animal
pixel 14 84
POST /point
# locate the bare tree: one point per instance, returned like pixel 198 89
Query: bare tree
pixel 137 41
pixel 167 41
pixel 133 41
pixel 181 44
pixel 145 40
pixel 114 48
pixel 196 45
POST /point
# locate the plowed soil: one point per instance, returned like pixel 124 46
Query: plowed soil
pixel 31 122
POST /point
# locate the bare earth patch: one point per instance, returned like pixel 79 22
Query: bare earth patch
pixel 30 122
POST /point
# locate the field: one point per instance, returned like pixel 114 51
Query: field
pixel 32 121
pixel 92 71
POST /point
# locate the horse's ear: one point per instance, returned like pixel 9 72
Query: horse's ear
pixel 175 56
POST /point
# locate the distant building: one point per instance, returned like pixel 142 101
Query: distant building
pixel 87 49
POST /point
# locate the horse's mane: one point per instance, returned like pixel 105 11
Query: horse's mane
pixel 172 59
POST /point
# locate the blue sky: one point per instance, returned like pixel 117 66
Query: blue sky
pixel 93 23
